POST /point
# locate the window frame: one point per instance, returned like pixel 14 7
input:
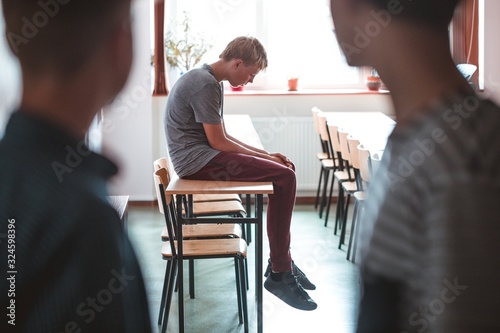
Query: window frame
pixel 261 83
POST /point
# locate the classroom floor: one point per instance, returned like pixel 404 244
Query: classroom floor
pixel 314 249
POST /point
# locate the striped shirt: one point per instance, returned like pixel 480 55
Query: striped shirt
pixel 432 221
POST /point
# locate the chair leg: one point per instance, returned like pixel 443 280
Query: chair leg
pixel 332 185
pixel 319 187
pixel 164 291
pixel 249 232
pixel 191 278
pixel 353 226
pixel 356 238
pixel 242 266
pixel 246 274
pixel 243 232
pixel 340 209
pixel 172 280
pixel 344 221
pixel 248 207
pixel 238 290
pixel 323 195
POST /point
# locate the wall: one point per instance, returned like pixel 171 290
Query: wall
pixel 128 122
pixel 272 105
pixel 492 50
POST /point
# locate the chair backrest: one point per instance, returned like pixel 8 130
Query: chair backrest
pixel 364 163
pixel 322 126
pixel 334 136
pixel 324 135
pixel 161 177
pixel 315 112
pixel 317 128
pixel 167 209
pixel 352 145
pixel 162 162
pixel 344 148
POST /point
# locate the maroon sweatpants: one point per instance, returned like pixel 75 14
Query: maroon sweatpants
pixel 228 166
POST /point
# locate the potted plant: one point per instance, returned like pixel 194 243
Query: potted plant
pixel 373 81
pixel 185 49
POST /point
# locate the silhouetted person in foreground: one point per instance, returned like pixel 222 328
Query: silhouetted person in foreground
pixel 431 225
pixel 70 266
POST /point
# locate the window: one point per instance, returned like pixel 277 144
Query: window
pixel 297 35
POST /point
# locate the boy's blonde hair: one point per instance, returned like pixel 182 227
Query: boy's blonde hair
pixel 248 49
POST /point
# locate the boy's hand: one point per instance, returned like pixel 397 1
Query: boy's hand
pixel 284 160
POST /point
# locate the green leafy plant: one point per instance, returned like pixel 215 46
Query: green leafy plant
pixel 186 50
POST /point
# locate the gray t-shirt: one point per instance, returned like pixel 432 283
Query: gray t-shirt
pixel 431 220
pixel 195 99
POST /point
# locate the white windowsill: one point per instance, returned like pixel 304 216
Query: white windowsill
pixel 300 92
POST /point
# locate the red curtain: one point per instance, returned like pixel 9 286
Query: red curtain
pixel 465 43
pixel 160 83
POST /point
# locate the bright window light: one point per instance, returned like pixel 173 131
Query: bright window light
pixel 298 37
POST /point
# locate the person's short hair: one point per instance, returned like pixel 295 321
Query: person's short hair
pixel 248 49
pixel 435 12
pixel 58 35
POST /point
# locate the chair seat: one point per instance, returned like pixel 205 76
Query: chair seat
pixel 215 197
pixel 206 230
pixel 328 163
pixel 341 175
pixel 360 195
pixel 350 187
pixel 322 156
pixel 198 248
pixel 218 208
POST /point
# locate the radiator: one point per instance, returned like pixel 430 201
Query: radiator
pixel 294 137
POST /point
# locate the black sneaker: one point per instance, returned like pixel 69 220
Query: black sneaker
pixel 290 291
pixel 301 277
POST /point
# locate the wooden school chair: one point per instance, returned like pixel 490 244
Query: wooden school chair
pixel 235 248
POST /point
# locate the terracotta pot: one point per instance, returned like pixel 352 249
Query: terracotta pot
pixel 293 84
pixel 373 83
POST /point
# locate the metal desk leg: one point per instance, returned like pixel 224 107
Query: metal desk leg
pixel 190 213
pixel 248 208
pixel 259 254
pixel 180 275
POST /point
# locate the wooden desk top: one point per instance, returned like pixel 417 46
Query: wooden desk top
pixel 371 128
pixel 189 186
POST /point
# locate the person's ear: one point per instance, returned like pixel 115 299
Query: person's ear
pixel 237 63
